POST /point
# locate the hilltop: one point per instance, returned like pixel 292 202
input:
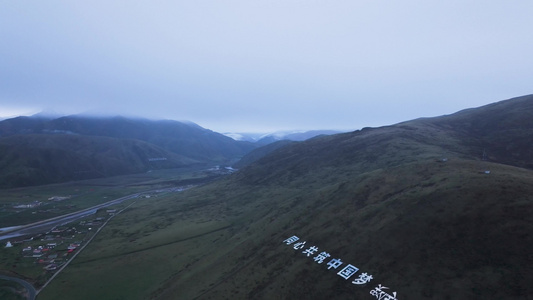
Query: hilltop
pixel 433 208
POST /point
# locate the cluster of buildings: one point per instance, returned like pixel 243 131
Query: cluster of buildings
pixel 51 249
pixel 50 255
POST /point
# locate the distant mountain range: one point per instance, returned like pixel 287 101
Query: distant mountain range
pixel 38 150
pixel 47 149
pixel 294 135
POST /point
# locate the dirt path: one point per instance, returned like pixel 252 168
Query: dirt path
pixel 81 249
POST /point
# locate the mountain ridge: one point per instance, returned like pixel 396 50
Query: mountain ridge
pixel 291 135
pixel 181 143
pixel 36 159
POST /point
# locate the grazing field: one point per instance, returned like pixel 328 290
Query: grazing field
pixel 66 198
pixel 27 205
pixel 224 241
pixel 149 244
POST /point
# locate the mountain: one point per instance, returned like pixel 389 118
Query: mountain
pixel 272 142
pixel 433 208
pixel 246 137
pixel 503 130
pixel 36 159
pixel 260 152
pixel 118 145
pixel 186 139
pixel 264 139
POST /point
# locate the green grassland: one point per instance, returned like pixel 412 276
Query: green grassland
pixel 436 208
pixel 400 224
pixel 129 244
pixel 89 193
pixel 36 151
pixel 86 193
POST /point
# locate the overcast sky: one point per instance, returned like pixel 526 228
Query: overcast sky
pixel 264 65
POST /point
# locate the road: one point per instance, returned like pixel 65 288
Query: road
pixel 25 284
pixel 47 225
pixel 81 249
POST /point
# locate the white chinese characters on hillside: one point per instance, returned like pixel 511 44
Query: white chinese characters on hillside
pixel 291 240
pixel 381 295
pixel 363 278
pixel 346 272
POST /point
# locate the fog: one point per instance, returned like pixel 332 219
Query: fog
pixel 246 66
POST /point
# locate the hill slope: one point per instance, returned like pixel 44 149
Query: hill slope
pixel 186 139
pixel 410 204
pixel 120 146
pixel 36 159
pixel 260 152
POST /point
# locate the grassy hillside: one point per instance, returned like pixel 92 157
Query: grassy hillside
pixel 260 152
pixel 415 205
pixel 37 150
pixel 28 160
pixel 185 139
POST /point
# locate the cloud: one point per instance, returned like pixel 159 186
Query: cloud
pixel 283 64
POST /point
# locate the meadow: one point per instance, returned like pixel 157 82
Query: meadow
pixel 224 241
pixel 87 193
pixel 77 196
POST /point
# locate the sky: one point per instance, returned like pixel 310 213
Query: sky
pixel 264 65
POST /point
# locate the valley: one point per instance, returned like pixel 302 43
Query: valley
pixel 432 208
pixel 266 150
pixel 48 243
pixel 229 242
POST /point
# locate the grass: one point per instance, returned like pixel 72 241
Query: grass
pixel 92 192
pixel 380 199
pixel 160 248
pixel 84 194
pixel 224 242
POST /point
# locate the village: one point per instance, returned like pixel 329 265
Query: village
pixel 50 250
pixel 37 252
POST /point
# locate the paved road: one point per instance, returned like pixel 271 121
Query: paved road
pixel 47 225
pixel 24 283
pixel 79 250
